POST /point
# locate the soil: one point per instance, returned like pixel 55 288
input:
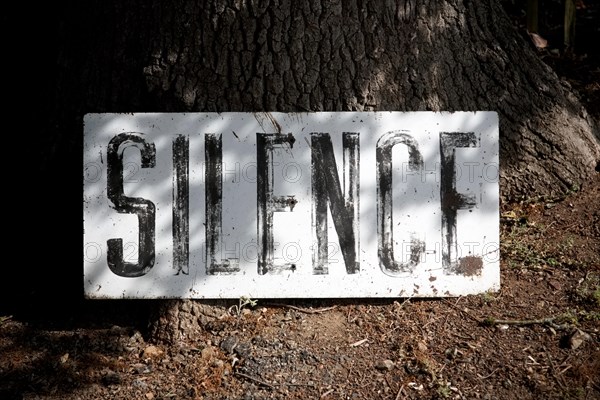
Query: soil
pixel 537 338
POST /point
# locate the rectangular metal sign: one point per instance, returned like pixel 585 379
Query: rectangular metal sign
pixel 291 205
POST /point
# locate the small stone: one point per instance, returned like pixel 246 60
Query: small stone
pixel 149 395
pixel 111 378
pixel 229 344
pixel 152 352
pixel 555 284
pixel 140 368
pixel 414 385
pixel 385 365
pixel 243 349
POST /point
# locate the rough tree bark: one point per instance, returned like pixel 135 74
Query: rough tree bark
pixel 323 55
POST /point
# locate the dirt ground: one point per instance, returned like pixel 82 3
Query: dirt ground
pixel 537 338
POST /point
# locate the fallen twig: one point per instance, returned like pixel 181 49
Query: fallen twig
pixel 564 370
pixel 355 344
pixel 304 310
pixel 299 384
pixel 407 300
pixel 489 321
pixel 488 375
pixel 399 392
pixel 544 321
pixel 255 380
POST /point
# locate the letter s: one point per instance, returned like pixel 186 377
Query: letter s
pixel 144 209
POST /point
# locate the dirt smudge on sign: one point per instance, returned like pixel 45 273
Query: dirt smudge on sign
pixel 470 266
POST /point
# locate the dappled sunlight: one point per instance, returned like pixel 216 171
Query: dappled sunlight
pixel 415 209
pixel 337 334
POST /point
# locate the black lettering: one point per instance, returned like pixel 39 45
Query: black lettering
pixel 267 203
pixel 326 188
pixel 385 234
pixel 213 151
pixel 181 206
pixel 144 209
pixel 452 200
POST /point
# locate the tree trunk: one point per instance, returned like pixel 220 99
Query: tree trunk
pixel 176 321
pixel 323 55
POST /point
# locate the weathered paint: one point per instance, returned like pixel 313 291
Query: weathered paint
pixel 327 204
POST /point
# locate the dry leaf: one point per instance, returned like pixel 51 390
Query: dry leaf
pixel 538 41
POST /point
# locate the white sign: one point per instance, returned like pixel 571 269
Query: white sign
pixel 291 205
